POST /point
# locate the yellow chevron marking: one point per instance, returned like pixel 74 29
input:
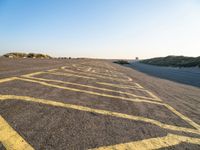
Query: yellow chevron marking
pixel 99 111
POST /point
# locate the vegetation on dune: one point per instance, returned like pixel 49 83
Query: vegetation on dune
pixel 24 55
pixel 121 62
pixel 174 61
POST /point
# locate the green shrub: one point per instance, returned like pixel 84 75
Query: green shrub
pixel 24 55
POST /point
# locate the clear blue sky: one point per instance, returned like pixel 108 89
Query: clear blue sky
pixel 101 28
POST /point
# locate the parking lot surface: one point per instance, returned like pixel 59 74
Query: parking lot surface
pixel 94 104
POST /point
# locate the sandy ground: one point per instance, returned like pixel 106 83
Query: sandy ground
pixel 93 104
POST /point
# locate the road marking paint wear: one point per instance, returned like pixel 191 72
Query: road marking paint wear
pixel 10 139
pixel 99 111
pixel 98 73
pixel 93 87
pixel 99 76
pixel 92 71
pixel 152 143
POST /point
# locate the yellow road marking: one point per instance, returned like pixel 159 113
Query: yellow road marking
pixel 52 70
pixel 131 87
pixel 188 120
pixel 103 74
pixel 107 95
pixel 118 97
pixel 153 143
pixel 92 71
pixel 90 92
pixel 70 74
pixel 93 87
pixel 99 76
pixel 10 139
pixel 153 96
pixel 139 85
pixel 121 86
pixel 99 111
pixel 7 79
pixel 34 74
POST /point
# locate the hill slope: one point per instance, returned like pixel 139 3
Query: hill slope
pixel 174 61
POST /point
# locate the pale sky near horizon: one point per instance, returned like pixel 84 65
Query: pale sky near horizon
pixel 101 28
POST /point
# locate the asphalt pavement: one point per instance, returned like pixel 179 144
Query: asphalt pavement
pixel 83 104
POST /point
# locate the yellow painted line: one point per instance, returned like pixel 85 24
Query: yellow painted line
pixel 91 92
pixel 188 120
pixel 99 111
pixel 137 84
pixel 99 76
pixel 92 71
pixel 120 86
pixel 153 143
pixel 7 79
pixel 150 93
pixel 70 74
pixel 153 96
pixel 93 87
pixel 34 74
pixel 111 96
pixel 107 95
pixel 10 139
